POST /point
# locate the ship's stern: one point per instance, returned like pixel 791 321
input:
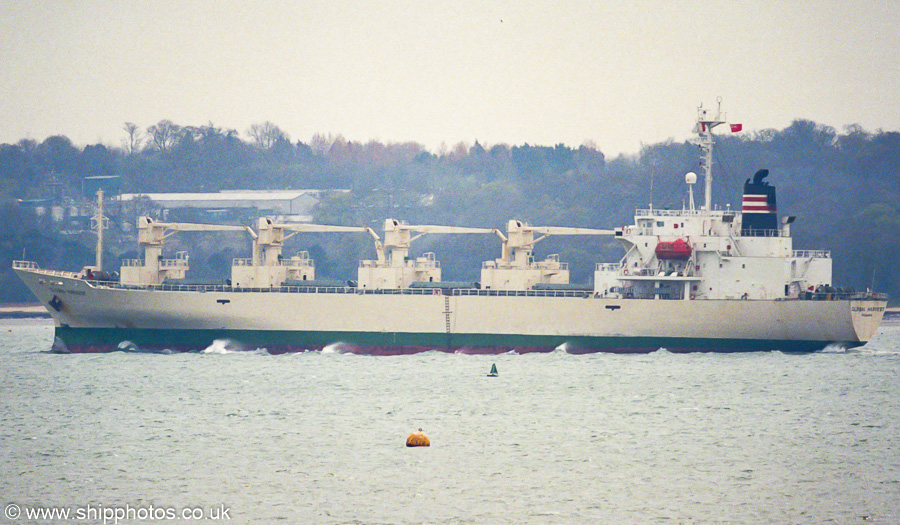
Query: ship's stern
pixel 867 315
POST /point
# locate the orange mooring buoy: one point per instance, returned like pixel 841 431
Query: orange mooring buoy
pixel 418 439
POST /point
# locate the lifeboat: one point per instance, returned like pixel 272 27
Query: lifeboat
pixel 678 250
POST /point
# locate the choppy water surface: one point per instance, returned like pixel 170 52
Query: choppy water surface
pixel 556 438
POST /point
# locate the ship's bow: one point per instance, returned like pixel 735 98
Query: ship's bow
pixel 31 276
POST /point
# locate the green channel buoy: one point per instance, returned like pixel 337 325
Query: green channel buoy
pixel 493 371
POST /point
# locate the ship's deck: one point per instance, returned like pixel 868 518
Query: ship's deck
pixel 856 296
pixel 204 288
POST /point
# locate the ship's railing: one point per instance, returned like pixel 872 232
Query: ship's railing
pixel 31 265
pixel 203 288
pixel 641 272
pixel 763 233
pixel 551 265
pixel 637 230
pixel 524 293
pixel 627 293
pixel 172 263
pixel 837 295
pixel 662 296
pixel 305 263
pixel 686 271
pixel 682 213
pixel 540 265
pixel 410 263
pixel 163 263
pixel 811 254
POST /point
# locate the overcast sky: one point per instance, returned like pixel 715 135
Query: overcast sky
pixel 617 73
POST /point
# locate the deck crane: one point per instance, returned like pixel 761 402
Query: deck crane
pixel 267 267
pixel 516 268
pixel 394 268
pixel 154 269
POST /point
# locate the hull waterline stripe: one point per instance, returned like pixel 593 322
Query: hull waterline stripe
pixel 107 339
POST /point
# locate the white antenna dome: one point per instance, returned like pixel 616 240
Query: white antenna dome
pixel 690 177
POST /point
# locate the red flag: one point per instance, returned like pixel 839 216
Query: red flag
pixel 736 127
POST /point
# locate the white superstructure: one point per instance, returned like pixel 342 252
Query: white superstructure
pixel 721 262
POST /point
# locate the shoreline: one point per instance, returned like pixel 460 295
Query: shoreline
pixel 23 311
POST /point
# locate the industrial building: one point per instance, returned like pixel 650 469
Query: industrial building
pixel 297 205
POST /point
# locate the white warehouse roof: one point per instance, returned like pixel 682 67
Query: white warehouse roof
pixel 281 201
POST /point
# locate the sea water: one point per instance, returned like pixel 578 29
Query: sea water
pixel 319 437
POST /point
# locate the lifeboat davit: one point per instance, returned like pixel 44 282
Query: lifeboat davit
pixel 678 250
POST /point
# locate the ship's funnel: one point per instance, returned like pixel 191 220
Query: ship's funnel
pixel 760 213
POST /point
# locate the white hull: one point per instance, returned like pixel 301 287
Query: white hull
pixel 403 322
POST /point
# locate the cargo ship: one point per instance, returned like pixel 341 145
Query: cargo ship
pixel 695 279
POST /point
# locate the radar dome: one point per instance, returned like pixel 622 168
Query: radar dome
pixel 690 177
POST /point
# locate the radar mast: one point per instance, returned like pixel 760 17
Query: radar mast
pixel 99 222
pixel 706 121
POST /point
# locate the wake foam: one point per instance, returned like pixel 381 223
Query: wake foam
pixel 834 349
pixel 127 346
pixel 336 348
pixel 224 346
pixel 59 346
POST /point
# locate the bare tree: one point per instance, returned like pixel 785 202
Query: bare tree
pixel 320 143
pixel 265 135
pixel 133 138
pixel 210 133
pixel 163 134
pixel 460 150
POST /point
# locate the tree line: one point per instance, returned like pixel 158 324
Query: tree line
pixel 842 186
